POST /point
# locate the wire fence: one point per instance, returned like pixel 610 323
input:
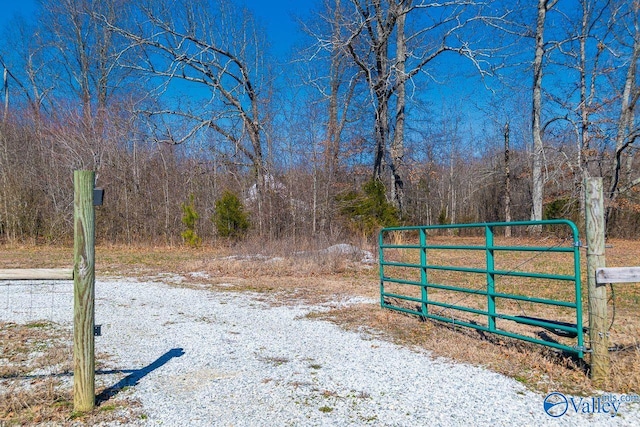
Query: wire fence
pixel 31 301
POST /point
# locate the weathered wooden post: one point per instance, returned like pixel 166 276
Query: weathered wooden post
pixel 84 292
pixel 597 295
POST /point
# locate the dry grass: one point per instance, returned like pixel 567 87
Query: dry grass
pixel 36 379
pixel 284 274
pixel 35 345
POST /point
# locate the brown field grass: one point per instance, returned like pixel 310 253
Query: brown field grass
pixel 36 366
pixel 284 275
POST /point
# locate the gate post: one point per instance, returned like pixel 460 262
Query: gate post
pixel 597 294
pixel 491 289
pixel 424 293
pixel 83 292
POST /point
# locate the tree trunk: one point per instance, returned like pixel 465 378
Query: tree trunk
pixel 381 133
pixel 583 149
pixel 333 130
pixel 537 187
pixel 397 145
pixel 507 182
pixel 5 86
pixel 626 120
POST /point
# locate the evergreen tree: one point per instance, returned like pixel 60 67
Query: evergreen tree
pixel 189 218
pixel 370 211
pixel 230 218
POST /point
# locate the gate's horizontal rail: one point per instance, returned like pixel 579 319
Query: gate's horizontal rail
pixel 488 224
pixel 458 322
pixel 518 319
pixel 500 332
pixel 481 271
pixel 541 323
pixel 482 248
pixel 36 274
pixel 516 297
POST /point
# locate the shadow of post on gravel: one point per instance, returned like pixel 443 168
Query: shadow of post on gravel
pixel 135 375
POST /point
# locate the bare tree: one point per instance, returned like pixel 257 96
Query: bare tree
pixel 583 56
pixel 25 68
pixel 184 41
pixel 81 55
pixel 628 130
pixel 326 67
pixel 588 70
pixel 392 41
pixel 339 97
pixel 397 144
pixel 537 187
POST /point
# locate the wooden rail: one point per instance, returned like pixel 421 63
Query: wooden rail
pixel 36 274
pixel 618 275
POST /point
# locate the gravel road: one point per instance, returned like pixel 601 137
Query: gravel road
pixel 194 357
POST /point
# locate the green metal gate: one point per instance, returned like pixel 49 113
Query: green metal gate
pixel 487 283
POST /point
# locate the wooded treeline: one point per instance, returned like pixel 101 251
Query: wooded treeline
pixel 386 112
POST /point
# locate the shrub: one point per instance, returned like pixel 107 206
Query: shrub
pixel 189 218
pixel 230 218
pixel 369 211
pixel 443 219
pixel 561 208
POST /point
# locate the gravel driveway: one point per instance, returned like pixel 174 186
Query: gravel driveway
pixel 201 358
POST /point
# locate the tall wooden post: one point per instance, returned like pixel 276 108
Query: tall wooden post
pixel 84 292
pixel 598 333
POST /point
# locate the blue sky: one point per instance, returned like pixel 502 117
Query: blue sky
pixel 277 16
pixel 9 8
